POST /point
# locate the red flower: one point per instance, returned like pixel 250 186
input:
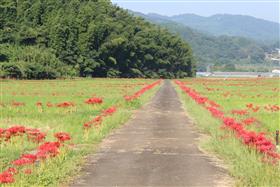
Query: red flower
pixel 94 100
pixel 250 105
pixel 12 170
pixel 249 121
pixel 16 130
pixel 39 104
pixel 65 104
pixel 6 177
pixel 25 159
pixel 215 112
pixel 62 136
pixel 256 109
pixel 48 149
pixel 109 111
pixel 239 112
pixel 2 131
pixel 87 125
pixel 17 104
pixel 142 91
pixel 35 135
pixel 27 171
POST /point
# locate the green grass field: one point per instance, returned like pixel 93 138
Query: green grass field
pixel 34 104
pixel 241 99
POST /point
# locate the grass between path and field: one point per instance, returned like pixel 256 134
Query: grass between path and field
pixel 84 110
pixel 247 145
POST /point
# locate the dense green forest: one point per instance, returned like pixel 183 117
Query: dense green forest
pixel 216 51
pixel 58 38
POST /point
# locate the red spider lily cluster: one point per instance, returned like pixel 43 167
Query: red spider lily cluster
pixel 65 104
pixel 258 141
pixel 239 112
pixel 7 176
pixel 252 139
pixel 17 104
pixel 33 135
pixel 272 108
pixel 96 121
pixel 48 150
pixel 39 104
pixel 62 136
pixel 249 121
pixel 44 151
pixel 49 104
pixel 253 108
pixel 109 111
pixel 94 100
pixel 142 91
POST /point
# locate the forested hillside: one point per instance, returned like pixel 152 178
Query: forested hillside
pixel 215 50
pixel 232 25
pixel 57 38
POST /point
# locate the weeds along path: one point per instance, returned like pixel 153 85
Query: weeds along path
pixel 155 148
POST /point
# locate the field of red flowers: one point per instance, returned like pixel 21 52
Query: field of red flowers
pixel 245 115
pixel 47 127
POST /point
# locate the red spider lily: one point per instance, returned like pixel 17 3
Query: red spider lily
pixel 193 94
pixel 109 111
pixel 30 157
pixel 65 104
pixel 272 108
pixel 48 149
pixel 49 104
pixel 2 131
pixel 87 125
pixel 256 109
pixel 142 91
pixel 22 161
pixel 250 105
pixel 261 143
pixel 129 98
pixel 35 135
pixel 17 104
pixel 16 130
pixel 239 112
pixel 215 112
pixel 6 177
pixel 27 171
pixel 94 100
pixel 39 104
pixel 249 121
pixel 25 159
pixel 213 104
pixel 62 136
pixel 95 121
pixel 12 170
pixel 252 139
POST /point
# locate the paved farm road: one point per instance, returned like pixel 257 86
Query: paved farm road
pixel 158 147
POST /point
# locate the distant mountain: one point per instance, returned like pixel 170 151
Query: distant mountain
pixel 232 25
pixel 209 49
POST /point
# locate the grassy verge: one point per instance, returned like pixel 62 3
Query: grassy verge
pixel 245 165
pixel 61 169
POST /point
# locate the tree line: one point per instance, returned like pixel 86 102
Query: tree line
pixel 42 39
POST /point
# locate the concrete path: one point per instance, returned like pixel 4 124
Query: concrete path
pixel 158 147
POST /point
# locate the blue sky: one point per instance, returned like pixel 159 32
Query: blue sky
pixel 266 9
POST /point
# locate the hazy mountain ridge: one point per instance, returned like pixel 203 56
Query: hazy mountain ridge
pixel 231 25
pixel 210 49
